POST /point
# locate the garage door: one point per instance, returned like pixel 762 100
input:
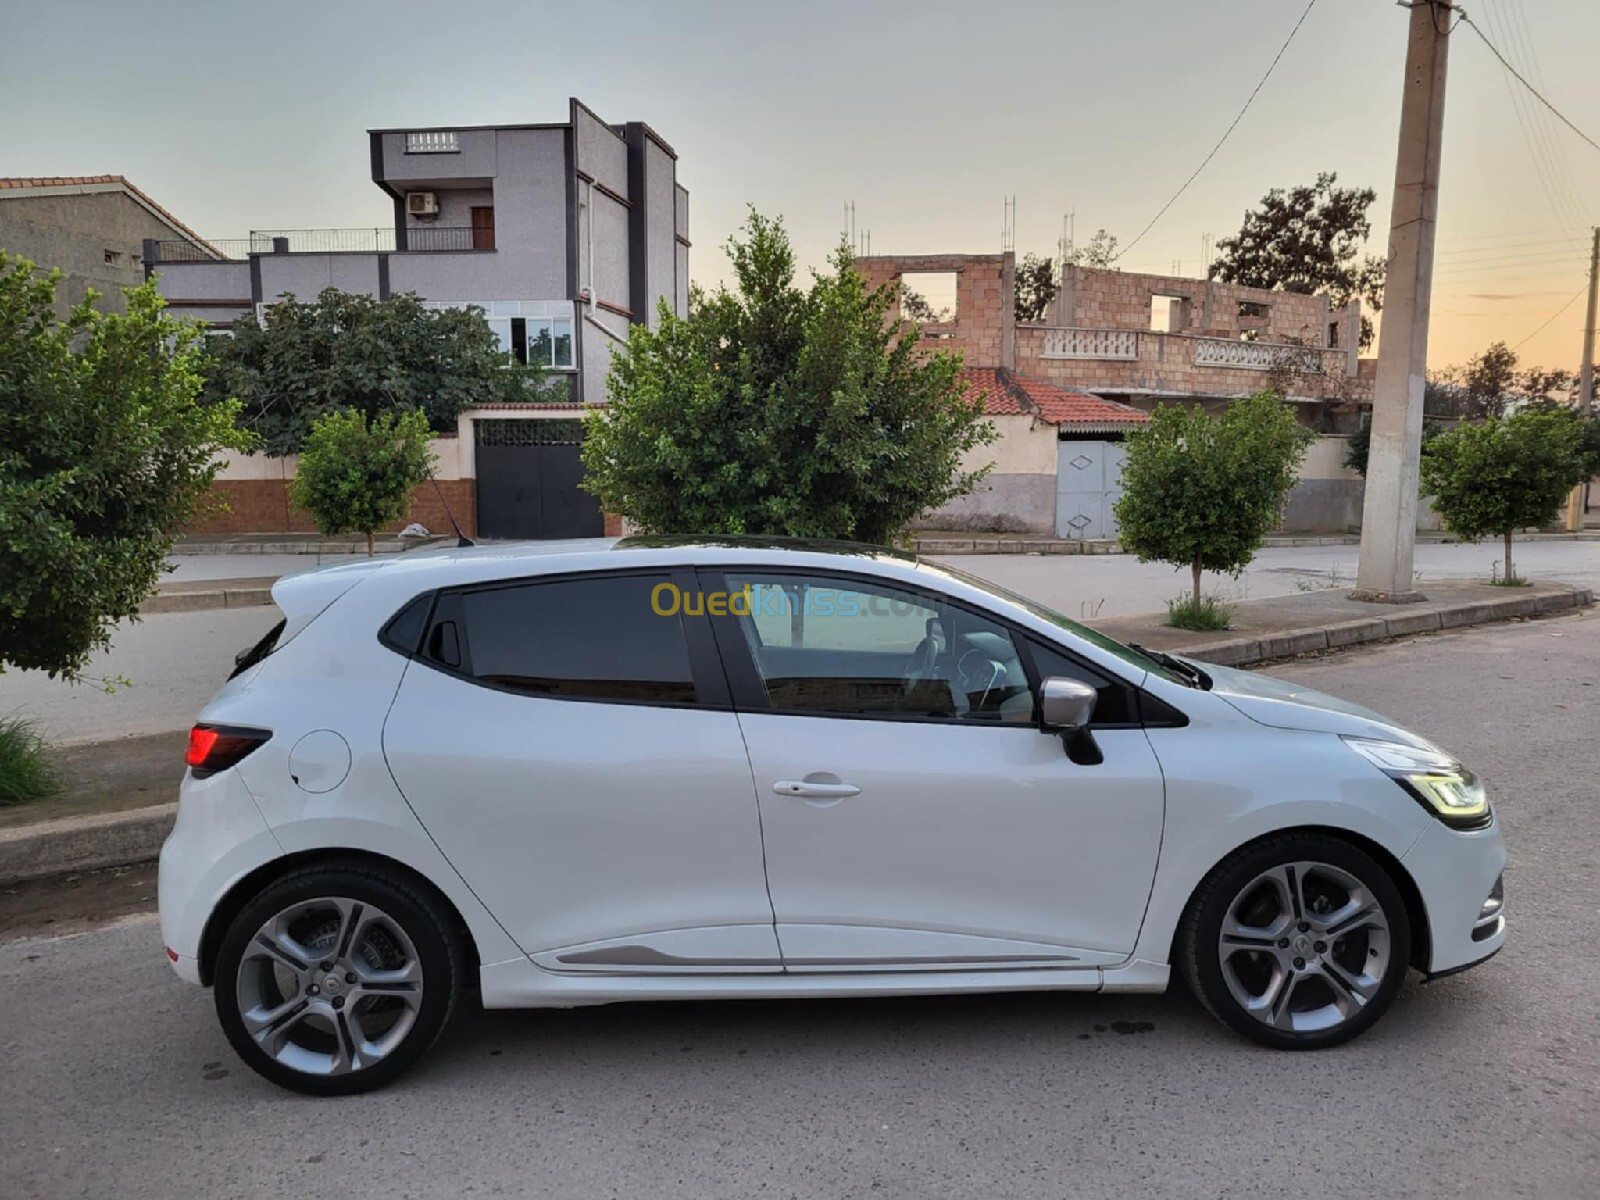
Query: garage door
pixel 1088 485
pixel 528 476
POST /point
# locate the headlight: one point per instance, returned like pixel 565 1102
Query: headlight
pixel 1441 784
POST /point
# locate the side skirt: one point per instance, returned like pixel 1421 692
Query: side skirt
pixel 518 983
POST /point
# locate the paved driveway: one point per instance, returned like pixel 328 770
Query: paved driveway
pixel 118 1084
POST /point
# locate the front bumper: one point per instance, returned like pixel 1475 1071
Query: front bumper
pixel 1458 874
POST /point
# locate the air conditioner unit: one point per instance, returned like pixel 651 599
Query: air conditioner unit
pixel 422 204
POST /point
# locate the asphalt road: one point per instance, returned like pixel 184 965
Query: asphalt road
pixel 174 662
pixel 118 1083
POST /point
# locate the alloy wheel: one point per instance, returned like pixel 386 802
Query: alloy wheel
pixel 1304 947
pixel 329 986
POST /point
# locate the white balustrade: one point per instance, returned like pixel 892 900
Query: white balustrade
pixel 1091 343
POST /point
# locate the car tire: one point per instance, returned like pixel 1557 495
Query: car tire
pixel 335 979
pixel 1297 941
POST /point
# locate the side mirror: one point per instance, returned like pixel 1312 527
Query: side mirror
pixel 1066 704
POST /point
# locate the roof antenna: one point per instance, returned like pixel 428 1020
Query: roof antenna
pixel 462 540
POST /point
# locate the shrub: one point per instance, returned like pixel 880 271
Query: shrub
pixel 356 475
pixel 1199 612
pixel 27 772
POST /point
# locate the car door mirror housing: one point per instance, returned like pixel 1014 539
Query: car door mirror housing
pixel 1066 705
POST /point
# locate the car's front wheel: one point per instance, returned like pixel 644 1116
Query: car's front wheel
pixel 1299 941
pixel 335 980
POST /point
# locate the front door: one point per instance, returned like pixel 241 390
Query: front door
pixel 572 754
pixel 914 817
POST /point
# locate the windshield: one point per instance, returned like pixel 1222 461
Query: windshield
pixel 1099 640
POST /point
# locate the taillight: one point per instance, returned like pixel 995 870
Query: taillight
pixel 215 748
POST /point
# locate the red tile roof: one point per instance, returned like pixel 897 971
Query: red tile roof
pixel 47 181
pixel 1005 393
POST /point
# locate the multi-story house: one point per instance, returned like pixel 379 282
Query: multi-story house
pixel 1064 391
pixel 564 234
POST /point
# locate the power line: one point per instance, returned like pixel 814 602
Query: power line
pixel 1553 316
pixel 1564 176
pixel 1206 161
pixel 1560 116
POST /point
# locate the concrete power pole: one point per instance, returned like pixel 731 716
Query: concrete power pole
pixel 1389 512
pixel 1575 504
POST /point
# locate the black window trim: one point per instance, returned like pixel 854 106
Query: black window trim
pixel 705 666
pixel 749 693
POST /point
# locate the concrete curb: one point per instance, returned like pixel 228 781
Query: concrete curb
pixel 992 544
pixel 220 597
pixel 1239 651
pixel 84 843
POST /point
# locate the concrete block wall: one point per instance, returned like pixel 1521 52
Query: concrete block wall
pixel 985 301
pixel 1096 299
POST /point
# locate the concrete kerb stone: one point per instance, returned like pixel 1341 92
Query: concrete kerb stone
pixel 1353 633
pixel 1407 623
pixel 84 843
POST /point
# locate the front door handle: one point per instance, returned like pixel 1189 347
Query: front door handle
pixel 815 791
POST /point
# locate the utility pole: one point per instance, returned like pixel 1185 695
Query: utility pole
pixel 1576 509
pixel 1389 511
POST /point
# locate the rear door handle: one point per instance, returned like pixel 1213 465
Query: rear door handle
pixel 815 791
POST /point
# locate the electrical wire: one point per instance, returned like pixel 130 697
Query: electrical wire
pixel 1228 133
pixel 1565 180
pixel 1517 75
pixel 1552 318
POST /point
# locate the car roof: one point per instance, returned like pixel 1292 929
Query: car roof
pixel 417 570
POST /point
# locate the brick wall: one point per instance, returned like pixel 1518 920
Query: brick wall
pixel 1095 299
pixel 262 506
pixel 985 301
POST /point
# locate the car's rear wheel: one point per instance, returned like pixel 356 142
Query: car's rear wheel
pixel 335 980
pixel 1299 941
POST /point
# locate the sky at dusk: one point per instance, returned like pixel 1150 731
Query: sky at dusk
pixel 926 116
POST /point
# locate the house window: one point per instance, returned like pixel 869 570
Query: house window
pixel 113 258
pixel 928 297
pixel 533 331
pixel 1333 333
pixel 1250 310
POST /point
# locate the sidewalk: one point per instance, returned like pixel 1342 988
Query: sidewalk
pixel 120 802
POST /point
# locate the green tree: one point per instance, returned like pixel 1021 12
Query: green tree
pixel 1506 473
pixel 1099 253
pixel 914 306
pixel 1202 492
pixel 1036 287
pixel 1308 240
pixel 773 409
pixel 344 351
pixel 1359 446
pixel 105 451
pixel 356 473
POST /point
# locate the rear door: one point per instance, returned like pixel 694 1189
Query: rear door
pixel 573 753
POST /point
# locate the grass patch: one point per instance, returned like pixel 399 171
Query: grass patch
pixel 1206 613
pixel 1509 581
pixel 27 772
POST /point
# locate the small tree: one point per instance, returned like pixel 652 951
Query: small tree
pixel 347 351
pixel 1203 492
pixel 105 451
pixel 356 474
pixel 1507 473
pixel 776 410
pixel 1098 253
pixel 1359 447
pixel 1036 287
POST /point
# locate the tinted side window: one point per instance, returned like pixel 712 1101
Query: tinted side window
pixel 848 647
pixel 585 639
pixel 1116 705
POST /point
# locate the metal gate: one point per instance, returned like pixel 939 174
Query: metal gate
pixel 1088 486
pixel 528 475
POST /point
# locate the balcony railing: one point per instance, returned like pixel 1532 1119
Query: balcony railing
pixel 1256 356
pixel 328 241
pixel 441 141
pixel 1091 343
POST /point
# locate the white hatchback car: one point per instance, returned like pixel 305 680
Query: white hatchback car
pixel 669 769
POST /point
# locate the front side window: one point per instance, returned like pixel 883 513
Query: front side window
pixel 580 639
pixel 839 646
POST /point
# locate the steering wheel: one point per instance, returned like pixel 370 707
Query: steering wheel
pixel 980 674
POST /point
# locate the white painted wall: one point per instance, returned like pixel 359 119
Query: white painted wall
pixel 453 460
